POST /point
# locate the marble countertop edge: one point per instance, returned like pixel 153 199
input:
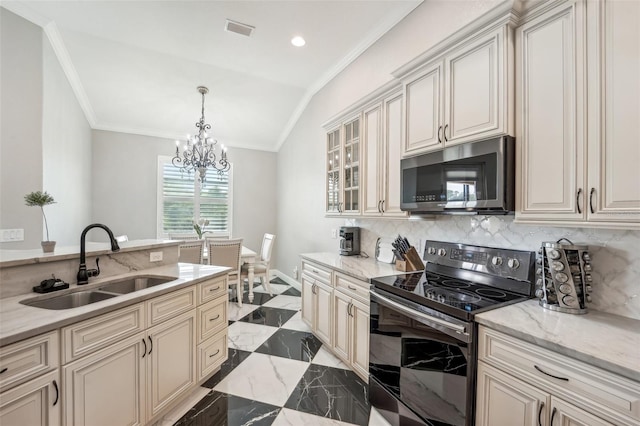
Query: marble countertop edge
pixel 25 257
pixel 19 322
pixel 362 268
pixel 607 341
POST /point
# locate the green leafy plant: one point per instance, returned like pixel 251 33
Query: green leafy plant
pixel 40 199
pixel 199 227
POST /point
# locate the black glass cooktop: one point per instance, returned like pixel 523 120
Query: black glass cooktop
pixel 453 295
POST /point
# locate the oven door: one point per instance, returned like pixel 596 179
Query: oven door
pixel 420 364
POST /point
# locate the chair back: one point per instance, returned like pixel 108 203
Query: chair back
pixel 267 247
pixel 185 237
pixel 225 253
pixel 191 251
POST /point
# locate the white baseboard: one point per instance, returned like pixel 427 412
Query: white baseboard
pixel 284 277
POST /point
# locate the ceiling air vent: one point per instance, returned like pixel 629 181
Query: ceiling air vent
pixel 239 28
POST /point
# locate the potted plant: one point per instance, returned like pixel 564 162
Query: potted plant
pixel 41 199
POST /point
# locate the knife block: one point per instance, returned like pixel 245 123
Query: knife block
pixel 412 262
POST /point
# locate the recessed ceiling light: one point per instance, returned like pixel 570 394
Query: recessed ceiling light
pixel 298 41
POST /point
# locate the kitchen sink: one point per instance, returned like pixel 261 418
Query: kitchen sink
pixel 128 285
pixel 68 301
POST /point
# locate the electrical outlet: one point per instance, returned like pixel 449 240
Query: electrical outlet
pixel 155 256
pixel 334 233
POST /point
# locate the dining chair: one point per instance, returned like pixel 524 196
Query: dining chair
pixel 185 237
pixel 191 251
pixel 261 267
pixel 227 252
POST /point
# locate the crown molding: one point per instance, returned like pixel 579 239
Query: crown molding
pixel 371 38
pixel 51 30
pixel 169 136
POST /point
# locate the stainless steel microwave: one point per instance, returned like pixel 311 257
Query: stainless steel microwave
pixel 470 178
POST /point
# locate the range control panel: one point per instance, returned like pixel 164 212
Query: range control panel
pixel 506 263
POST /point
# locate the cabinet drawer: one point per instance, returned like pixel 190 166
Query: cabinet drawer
pixel 576 382
pixel 212 318
pixel 27 359
pixel 317 272
pixel 168 306
pixel 353 287
pixel 212 289
pixel 88 336
pixel 211 354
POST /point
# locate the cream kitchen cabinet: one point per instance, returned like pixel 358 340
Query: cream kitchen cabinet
pixel 523 384
pixel 30 382
pixel 131 365
pixel 462 96
pixel 576 117
pixel 317 300
pixel 381 146
pixel 343 168
pixel 351 323
pixel 34 403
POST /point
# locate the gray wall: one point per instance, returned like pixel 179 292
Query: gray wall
pixel 66 154
pixel 45 139
pixel 124 186
pixel 20 127
pixel 301 170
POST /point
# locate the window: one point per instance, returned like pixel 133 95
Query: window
pixel 181 200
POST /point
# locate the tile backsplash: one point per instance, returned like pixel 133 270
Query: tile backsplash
pixel 615 253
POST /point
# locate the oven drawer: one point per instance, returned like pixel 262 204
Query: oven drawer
pixel 317 272
pixel 574 381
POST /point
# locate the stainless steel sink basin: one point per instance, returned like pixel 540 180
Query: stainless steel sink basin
pixel 68 301
pixel 128 285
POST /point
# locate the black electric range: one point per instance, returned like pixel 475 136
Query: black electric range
pixel 423 335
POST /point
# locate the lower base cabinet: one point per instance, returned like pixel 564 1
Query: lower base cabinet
pixel 507 401
pixel 521 384
pixel 34 403
pixel 351 332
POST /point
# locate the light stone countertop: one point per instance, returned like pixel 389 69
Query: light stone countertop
pixel 608 341
pixel 26 257
pixel 18 321
pixel 355 266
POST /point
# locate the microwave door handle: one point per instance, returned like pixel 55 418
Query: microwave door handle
pixel 412 313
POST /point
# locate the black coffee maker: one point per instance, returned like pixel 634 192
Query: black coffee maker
pixel 349 240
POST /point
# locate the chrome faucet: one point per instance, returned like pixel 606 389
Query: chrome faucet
pixel 83 273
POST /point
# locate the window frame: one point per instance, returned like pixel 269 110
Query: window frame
pixel 160 234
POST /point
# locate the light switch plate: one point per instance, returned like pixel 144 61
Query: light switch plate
pixel 11 235
pixel 155 256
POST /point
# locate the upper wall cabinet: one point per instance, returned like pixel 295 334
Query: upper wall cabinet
pixel 381 146
pixel 343 168
pixel 578 105
pixel 462 96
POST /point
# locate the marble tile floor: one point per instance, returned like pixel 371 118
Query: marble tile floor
pixel 285 375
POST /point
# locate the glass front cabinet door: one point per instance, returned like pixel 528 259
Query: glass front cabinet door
pixel 343 168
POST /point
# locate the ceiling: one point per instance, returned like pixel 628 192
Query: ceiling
pixel 135 65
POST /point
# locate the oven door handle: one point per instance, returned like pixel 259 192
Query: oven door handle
pixel 410 312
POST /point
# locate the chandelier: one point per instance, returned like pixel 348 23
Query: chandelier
pixel 199 153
